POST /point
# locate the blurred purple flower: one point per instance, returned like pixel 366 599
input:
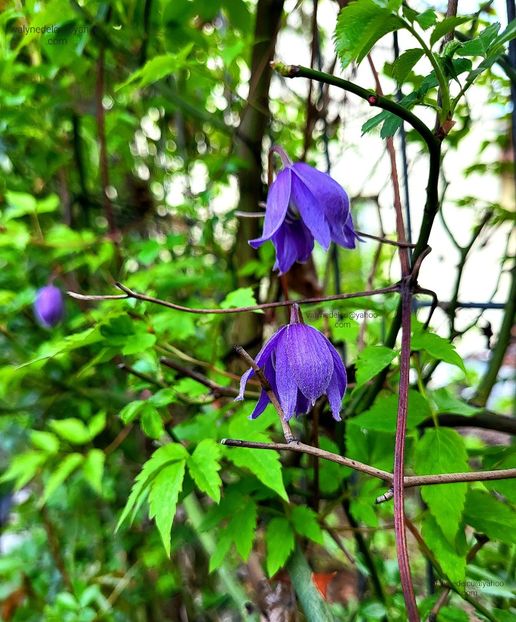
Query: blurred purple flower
pixel 304 204
pixel 300 364
pixel 49 306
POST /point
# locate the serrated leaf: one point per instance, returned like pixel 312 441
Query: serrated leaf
pixel 280 544
pixel 436 346
pixel 371 361
pixel 264 464
pixel 60 474
pixel 490 516
pixel 304 521
pixel 448 403
pixel 93 469
pixel 45 440
pixel 359 26
pixel 452 563
pixel 445 26
pixel 163 495
pixel 163 456
pixel 403 65
pixel 442 450
pixel 204 467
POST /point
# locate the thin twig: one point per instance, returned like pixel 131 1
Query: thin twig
pixel 129 293
pixel 287 432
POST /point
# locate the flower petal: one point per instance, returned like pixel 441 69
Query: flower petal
pixel 286 248
pixel 338 368
pixel 331 194
pixel 334 397
pixel 243 381
pixel 260 406
pixel 302 404
pixel 277 204
pixel 311 211
pixel 285 383
pixel 309 359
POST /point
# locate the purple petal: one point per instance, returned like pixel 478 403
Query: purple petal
pixel 49 306
pixel 311 211
pixel 302 404
pixel 277 204
pixel 309 359
pixel 286 249
pixel 330 194
pixel 261 360
pixel 261 405
pixel 334 397
pixel 338 368
pixel 286 385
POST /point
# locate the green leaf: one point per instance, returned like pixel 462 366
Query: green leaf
pixel 163 456
pixel 452 614
pixel 280 544
pixel 24 467
pixel 490 516
pixel 96 424
pixel 243 528
pixel 445 26
pixel 45 441
pixel 163 397
pixel 448 403
pixel 442 450
pixel 242 297
pixel 138 342
pixel 157 68
pixel 222 548
pixel 204 467
pixel 382 416
pixel 426 19
pixel 151 421
pixel 93 469
pixel 452 563
pixel 71 430
pixel 61 473
pixel 264 464
pixel 438 347
pixel 403 65
pixel 163 496
pixel 359 26
pixel 304 521
pixel 501 458
pixel 371 361
pixel 130 411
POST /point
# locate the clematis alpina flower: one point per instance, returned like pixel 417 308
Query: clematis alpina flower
pixel 300 365
pixel 304 205
pixel 49 306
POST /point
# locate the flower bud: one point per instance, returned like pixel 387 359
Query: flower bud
pixel 49 306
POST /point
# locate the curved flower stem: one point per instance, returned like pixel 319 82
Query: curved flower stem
pixel 398 483
pixel 129 293
pixel 298 71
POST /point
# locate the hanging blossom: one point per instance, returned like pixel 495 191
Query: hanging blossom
pixel 304 205
pixel 49 306
pixel 300 365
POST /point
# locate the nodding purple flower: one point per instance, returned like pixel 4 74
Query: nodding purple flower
pixel 49 306
pixel 304 205
pixel 300 365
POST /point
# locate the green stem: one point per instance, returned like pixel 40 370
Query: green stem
pixel 439 73
pixel 311 601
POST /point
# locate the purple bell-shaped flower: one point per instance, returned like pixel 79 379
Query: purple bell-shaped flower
pixel 300 364
pixel 49 306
